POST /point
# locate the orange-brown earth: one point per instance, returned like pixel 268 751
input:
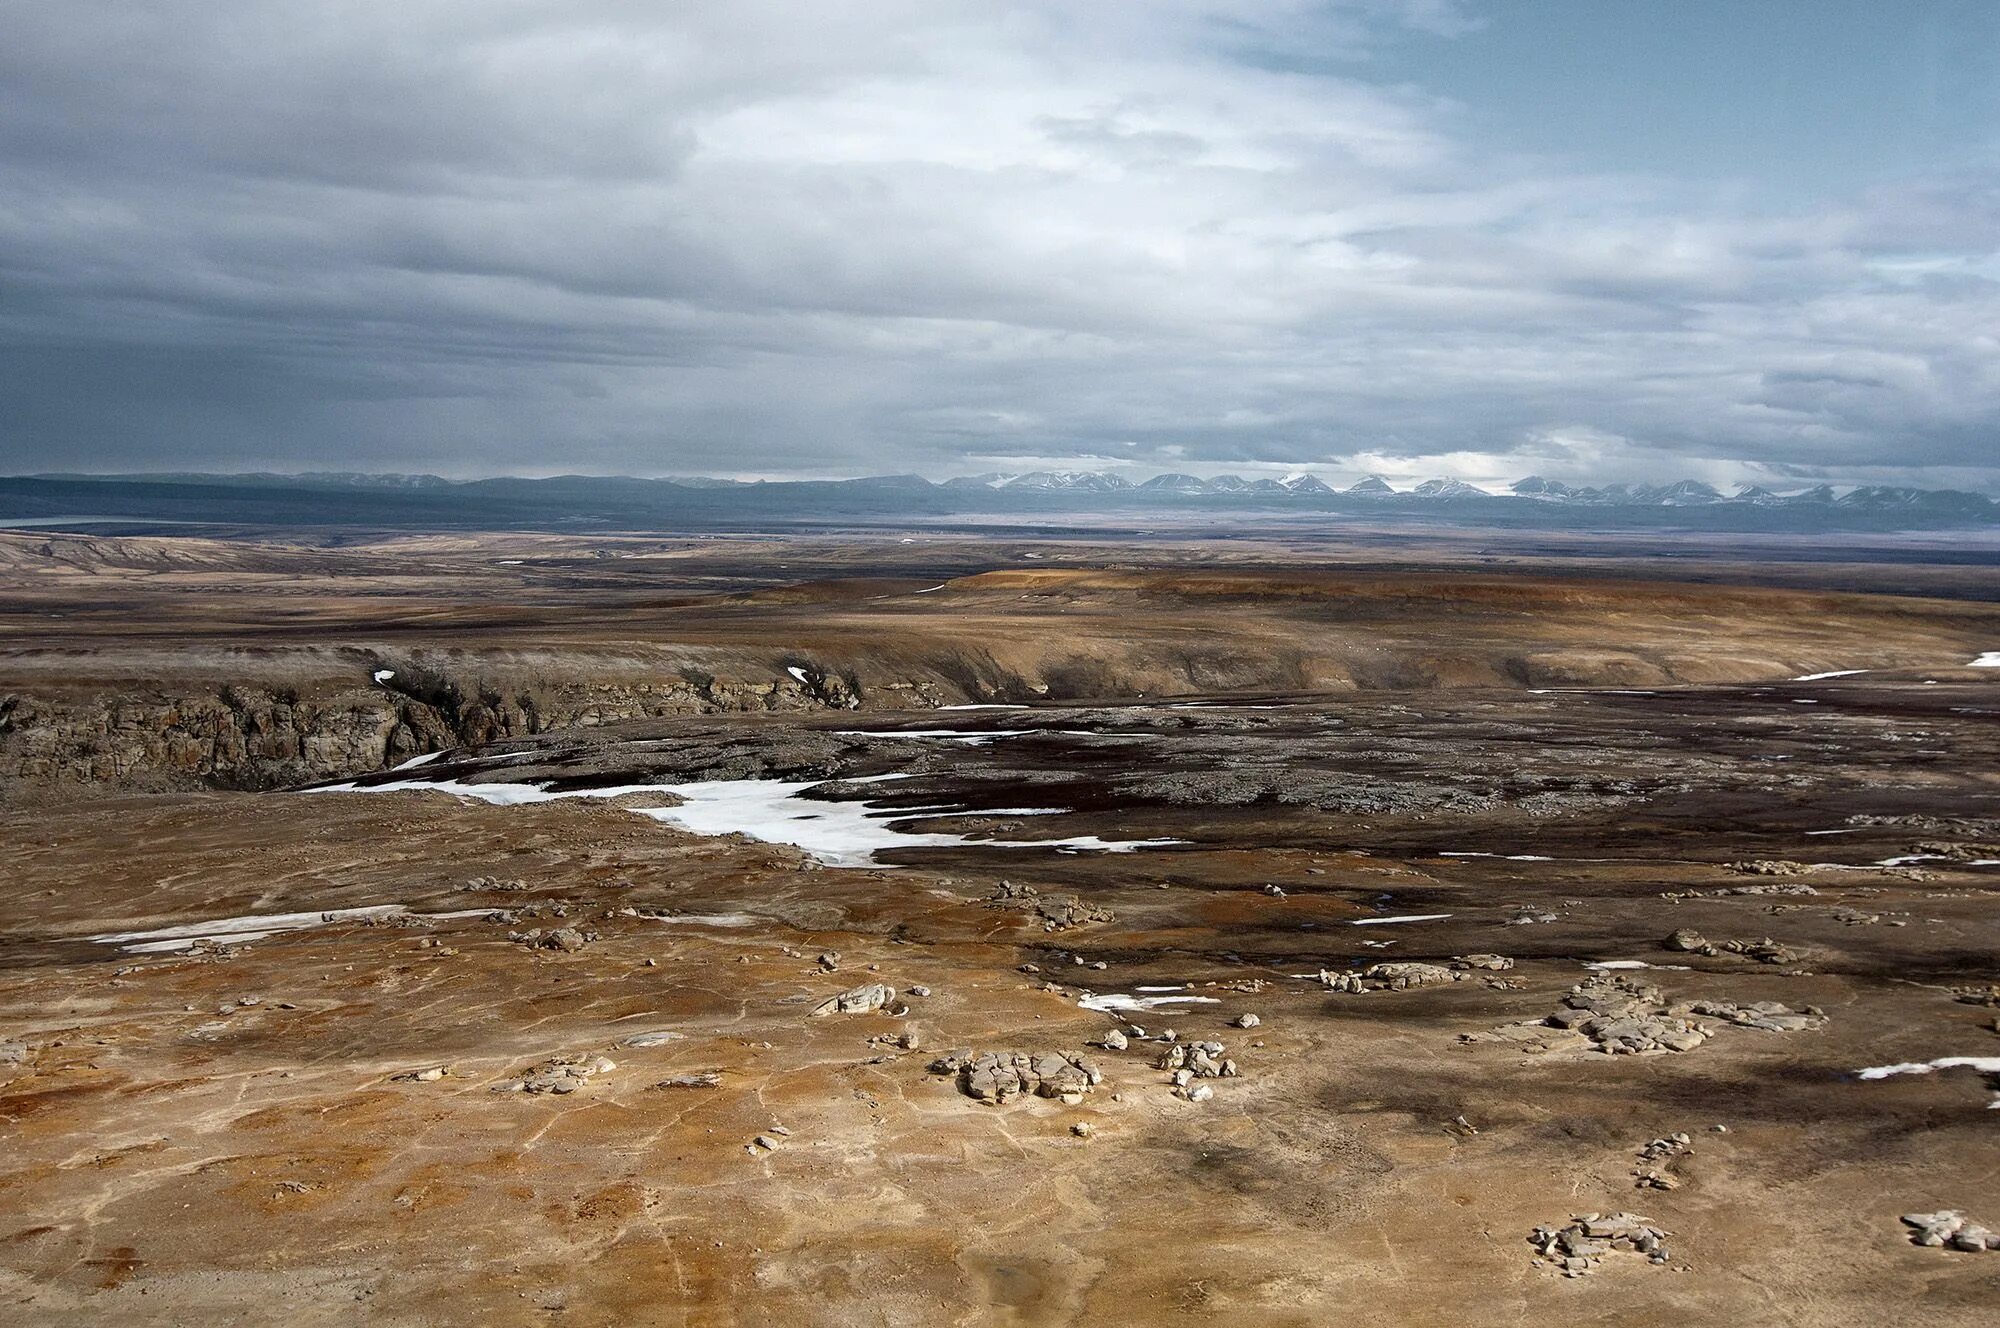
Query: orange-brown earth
pixel 227 1134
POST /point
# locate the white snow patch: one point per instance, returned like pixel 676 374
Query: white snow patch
pixel 797 672
pixel 255 927
pixel 930 589
pixel 658 1038
pixel 971 737
pixel 383 675
pixel 416 761
pixel 1605 965
pixel 1408 917
pixel 708 919
pixel 1820 677
pixel 1983 1064
pixel 983 706
pixel 1504 857
pixel 1989 1065
pixel 1178 986
pixel 1114 1001
pixel 1988 660
pixel 838 834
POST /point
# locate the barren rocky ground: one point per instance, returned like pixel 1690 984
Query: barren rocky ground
pixel 1286 941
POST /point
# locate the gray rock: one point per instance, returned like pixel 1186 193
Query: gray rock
pixel 865 999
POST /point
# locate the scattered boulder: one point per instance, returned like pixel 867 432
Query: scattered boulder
pixel 425 1076
pixel 1245 1021
pixel 707 1080
pixel 1687 940
pixel 1342 982
pixel 1490 962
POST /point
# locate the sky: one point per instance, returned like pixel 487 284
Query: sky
pixel 1735 240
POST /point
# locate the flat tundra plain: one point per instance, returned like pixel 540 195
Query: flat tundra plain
pixel 966 930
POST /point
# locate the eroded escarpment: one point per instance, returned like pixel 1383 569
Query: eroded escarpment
pixel 179 663
pixel 265 733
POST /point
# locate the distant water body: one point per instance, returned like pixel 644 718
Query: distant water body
pixel 31 522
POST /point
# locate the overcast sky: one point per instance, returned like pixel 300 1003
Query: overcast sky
pixel 1731 239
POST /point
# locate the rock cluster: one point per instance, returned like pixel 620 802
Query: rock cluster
pixel 569 940
pixel 1764 950
pixel 1054 912
pixel 998 1077
pixel 561 1075
pixel 1622 1017
pixel 1619 1016
pixel 1061 912
pixel 1955 852
pixel 1189 1061
pixel 1769 1016
pixel 1399 976
pixel 1582 1244
pixel 1950 1228
pixel 1658 1160
pixel 483 883
pixel 1402 975
pixel 1770 867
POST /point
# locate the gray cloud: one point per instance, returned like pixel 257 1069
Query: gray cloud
pixel 720 237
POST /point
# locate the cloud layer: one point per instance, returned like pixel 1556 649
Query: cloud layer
pixel 723 236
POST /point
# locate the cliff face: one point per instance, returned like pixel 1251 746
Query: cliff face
pixel 256 737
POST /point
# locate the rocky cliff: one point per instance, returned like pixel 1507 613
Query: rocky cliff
pixel 246 736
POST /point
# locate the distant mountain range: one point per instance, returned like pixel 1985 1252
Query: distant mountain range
pixel 1681 493
pixel 1037 497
